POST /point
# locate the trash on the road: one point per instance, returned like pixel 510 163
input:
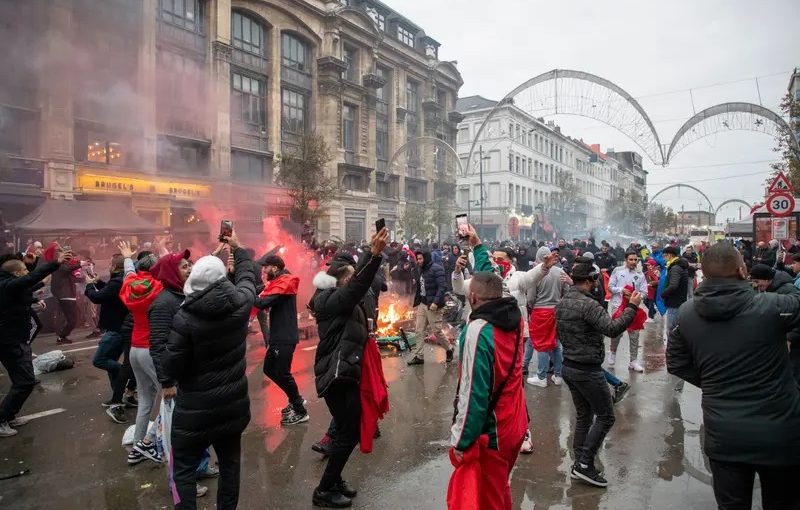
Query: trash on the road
pixel 146 486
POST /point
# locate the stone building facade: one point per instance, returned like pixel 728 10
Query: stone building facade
pixel 172 104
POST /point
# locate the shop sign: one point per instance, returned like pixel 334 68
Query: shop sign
pixel 91 182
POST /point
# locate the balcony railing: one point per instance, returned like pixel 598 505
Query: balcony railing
pixel 181 38
pixel 247 60
pixel 245 139
pixel 181 120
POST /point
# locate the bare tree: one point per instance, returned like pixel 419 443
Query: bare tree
pixel 789 163
pixel 302 173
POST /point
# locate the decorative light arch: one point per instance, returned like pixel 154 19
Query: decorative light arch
pixel 422 141
pixel 731 201
pixel 586 95
pixel 710 205
pixel 725 117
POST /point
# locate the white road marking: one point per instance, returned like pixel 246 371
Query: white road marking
pixel 82 349
pixel 42 414
pixel 313 347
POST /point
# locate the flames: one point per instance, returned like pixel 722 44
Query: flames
pixel 394 313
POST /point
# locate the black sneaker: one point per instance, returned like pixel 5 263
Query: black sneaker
pixel 110 403
pixel 94 334
pixel 331 499
pixel 620 391
pixel 416 360
pixel 117 413
pixel 130 400
pixel 134 457
pixel 149 450
pixel 294 418
pixel 449 356
pixel 288 409
pixel 345 489
pixel 588 474
pixel 63 341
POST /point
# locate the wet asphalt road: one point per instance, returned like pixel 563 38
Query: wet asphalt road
pixel 652 457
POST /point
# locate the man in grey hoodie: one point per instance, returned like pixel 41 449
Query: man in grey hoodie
pixel 542 298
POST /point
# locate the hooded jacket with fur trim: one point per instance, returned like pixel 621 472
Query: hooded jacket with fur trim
pixel 342 324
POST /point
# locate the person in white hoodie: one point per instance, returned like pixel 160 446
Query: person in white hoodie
pixel 626 275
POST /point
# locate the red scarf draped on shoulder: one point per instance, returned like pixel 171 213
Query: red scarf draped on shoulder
pixel 641 315
pixel 286 283
pixel 374 394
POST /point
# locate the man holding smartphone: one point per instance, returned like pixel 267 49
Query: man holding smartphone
pixel 429 303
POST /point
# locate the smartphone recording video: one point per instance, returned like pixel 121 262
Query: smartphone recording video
pixel 225 230
pixel 462 226
pixel 380 224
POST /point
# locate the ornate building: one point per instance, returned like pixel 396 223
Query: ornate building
pixel 168 104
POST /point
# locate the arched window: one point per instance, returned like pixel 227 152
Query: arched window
pixel 247 34
pixel 294 53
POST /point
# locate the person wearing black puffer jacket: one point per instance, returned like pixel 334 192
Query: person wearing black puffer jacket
pixel 676 289
pixel 730 342
pixel 172 270
pixel 205 356
pixel 343 332
pixel 429 307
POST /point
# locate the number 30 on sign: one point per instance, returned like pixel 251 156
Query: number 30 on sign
pixel 780 204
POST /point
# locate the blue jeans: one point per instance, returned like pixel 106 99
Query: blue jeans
pixel 611 379
pixel 107 355
pixel 527 357
pixel 672 319
pixel 543 361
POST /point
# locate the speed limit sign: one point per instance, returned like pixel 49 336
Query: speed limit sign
pixel 780 204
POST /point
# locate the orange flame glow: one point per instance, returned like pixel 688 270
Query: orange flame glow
pixel 393 311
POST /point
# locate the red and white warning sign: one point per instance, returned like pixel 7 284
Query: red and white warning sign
pixel 780 204
pixel 780 184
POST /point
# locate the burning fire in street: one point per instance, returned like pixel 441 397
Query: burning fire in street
pixel 394 313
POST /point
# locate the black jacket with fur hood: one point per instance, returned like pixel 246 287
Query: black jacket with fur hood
pixel 342 323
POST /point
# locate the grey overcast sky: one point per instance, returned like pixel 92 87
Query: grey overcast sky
pixel 645 47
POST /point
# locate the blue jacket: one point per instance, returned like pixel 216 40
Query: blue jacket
pixel 431 275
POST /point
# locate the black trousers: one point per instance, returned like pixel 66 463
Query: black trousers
pixel 278 367
pixel 69 309
pixel 594 409
pixel 733 485
pixel 187 456
pixel 263 325
pixel 344 403
pixel 125 377
pixel 16 358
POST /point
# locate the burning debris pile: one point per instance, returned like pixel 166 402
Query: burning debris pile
pixel 395 318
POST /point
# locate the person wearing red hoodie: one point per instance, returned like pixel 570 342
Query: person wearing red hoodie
pixel 280 297
pixel 172 270
pixel 139 291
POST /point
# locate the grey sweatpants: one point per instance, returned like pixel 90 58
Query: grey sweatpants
pixel 148 388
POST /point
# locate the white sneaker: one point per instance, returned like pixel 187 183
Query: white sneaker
pixel 635 366
pixel 557 380
pixel 6 430
pixel 612 358
pixel 18 422
pixel 527 444
pixel 535 381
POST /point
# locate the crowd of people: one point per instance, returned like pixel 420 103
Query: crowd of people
pixel 173 333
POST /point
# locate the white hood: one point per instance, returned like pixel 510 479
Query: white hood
pixel 323 280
